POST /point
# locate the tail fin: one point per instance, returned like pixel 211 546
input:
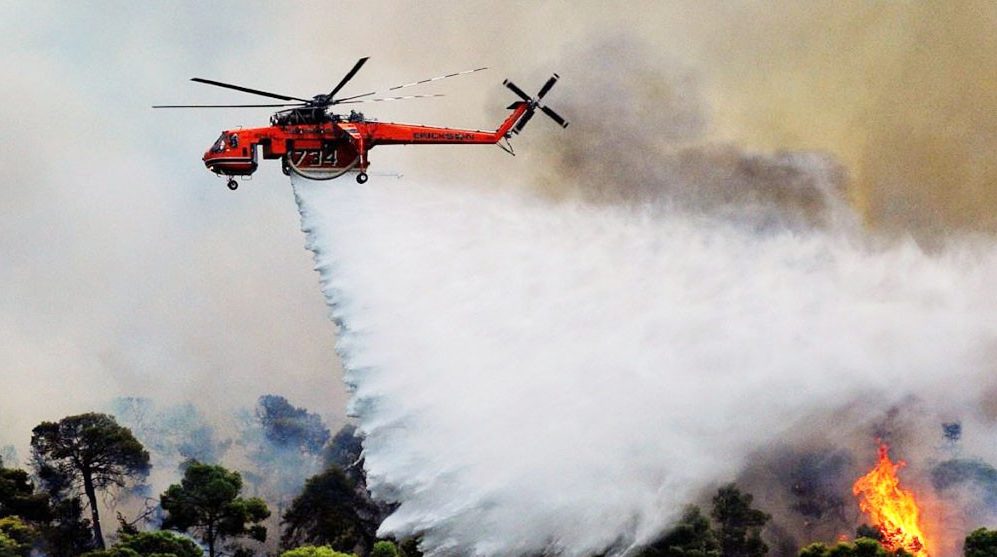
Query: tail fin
pixel 518 108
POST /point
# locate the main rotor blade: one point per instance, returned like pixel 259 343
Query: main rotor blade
pixel 224 105
pixel 550 83
pixel 557 117
pixel 517 90
pixel 390 99
pixel 437 78
pixel 247 89
pixel 345 99
pixel 349 76
pixel 414 83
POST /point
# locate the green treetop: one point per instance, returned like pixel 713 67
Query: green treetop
pixel 981 543
pixel 207 502
pixel 739 527
pixel 150 544
pixel 330 511
pixel 16 537
pixel 691 537
pixel 314 551
pixel 18 497
pixel 861 547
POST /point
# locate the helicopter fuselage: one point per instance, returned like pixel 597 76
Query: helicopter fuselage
pixel 334 145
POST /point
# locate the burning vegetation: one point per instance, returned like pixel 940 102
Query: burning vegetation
pixel 893 510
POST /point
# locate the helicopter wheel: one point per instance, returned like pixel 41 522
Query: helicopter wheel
pixel 232 184
pixel 362 178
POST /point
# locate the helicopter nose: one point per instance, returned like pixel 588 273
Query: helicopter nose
pixel 212 163
pixel 229 160
pixel 211 157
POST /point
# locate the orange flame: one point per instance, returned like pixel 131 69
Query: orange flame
pixel 892 509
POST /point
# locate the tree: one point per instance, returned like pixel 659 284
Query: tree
pixel 816 480
pixel 151 544
pixel 410 547
pixel 331 511
pixel 314 551
pixel 68 534
pixel 981 543
pixel 861 547
pixel 814 550
pixel 10 547
pixel 16 537
pixel 867 531
pixel 92 450
pixel 116 552
pixel 385 548
pixel 287 426
pixel 20 507
pixel 691 537
pixel 346 451
pixel 207 501
pixel 285 443
pixel 739 527
pixel 18 497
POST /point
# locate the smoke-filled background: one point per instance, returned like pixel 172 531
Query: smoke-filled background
pixel 766 219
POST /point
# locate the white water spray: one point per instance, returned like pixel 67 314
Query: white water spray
pixel 534 377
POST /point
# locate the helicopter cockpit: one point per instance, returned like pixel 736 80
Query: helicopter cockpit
pixel 225 140
pixel 219 145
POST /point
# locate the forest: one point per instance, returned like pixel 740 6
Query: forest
pixel 301 491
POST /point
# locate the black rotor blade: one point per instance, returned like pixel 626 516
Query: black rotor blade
pixel 555 116
pixel 517 90
pixel 550 83
pixel 522 121
pixel 224 105
pixel 247 90
pixel 349 76
pixel 345 99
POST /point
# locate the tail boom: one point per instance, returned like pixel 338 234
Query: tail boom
pixel 387 133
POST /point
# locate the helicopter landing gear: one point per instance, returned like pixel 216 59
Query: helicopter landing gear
pixel 362 178
pixel 232 184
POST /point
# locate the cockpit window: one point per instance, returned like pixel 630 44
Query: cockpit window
pixel 233 141
pixel 219 145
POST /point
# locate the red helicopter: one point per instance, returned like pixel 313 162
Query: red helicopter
pixel 315 143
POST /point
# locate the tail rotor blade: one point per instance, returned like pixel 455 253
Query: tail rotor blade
pixel 555 116
pixel 550 83
pixel 517 90
pixel 522 121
